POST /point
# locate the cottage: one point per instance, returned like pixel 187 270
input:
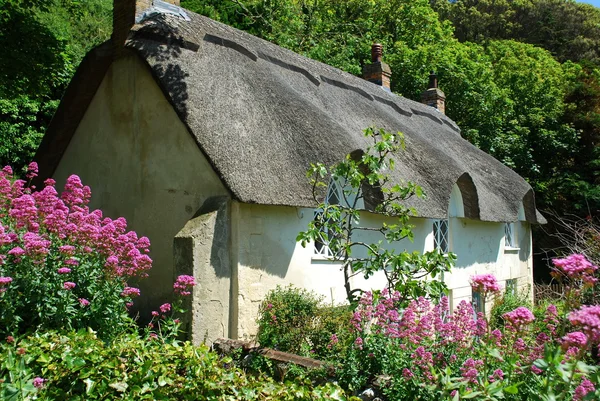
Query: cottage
pixel 200 135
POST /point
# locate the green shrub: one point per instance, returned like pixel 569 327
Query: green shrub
pixel 295 320
pixel 507 302
pixel 78 366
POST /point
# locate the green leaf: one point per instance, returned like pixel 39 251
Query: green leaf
pixel 513 389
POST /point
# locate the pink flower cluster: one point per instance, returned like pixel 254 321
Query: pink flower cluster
pixel 38 382
pixel 69 285
pixel 484 283
pixel 420 321
pixel 588 319
pixel 574 342
pixel 41 218
pixel 519 318
pixel 130 292
pixel 575 267
pixel 183 285
pixel 469 370
pixel 583 389
pixel 4 282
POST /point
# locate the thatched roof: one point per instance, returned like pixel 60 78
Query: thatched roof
pixel 261 114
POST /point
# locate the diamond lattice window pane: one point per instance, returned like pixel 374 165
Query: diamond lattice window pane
pixel 509 235
pixel 441 237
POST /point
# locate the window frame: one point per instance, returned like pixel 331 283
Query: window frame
pixel 510 236
pixel 321 249
pixel 477 303
pixel 441 235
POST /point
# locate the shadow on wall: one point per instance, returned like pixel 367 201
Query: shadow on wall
pixel 253 246
pixel 479 242
pixel 160 44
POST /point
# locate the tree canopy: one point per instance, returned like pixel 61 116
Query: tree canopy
pixel 43 43
pixel 522 77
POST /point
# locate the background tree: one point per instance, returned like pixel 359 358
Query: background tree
pixel 42 43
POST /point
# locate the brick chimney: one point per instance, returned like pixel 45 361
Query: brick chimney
pixel 433 96
pixel 377 72
pixel 125 13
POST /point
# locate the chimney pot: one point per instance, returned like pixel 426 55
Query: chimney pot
pixel 433 96
pixel 376 52
pixel 433 81
pixel 377 72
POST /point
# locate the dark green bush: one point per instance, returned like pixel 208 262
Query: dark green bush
pixel 79 366
pixel 295 320
pixel 509 301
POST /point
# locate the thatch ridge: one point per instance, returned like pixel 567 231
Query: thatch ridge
pixel 261 114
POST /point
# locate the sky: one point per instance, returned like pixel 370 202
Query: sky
pixel 592 2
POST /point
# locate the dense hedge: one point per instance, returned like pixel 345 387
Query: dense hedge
pixel 79 366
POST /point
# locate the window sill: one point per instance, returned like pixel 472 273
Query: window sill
pixel 324 259
pixel 510 249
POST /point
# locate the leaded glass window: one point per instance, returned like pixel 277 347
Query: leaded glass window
pixel 441 236
pixel 509 236
pixel 333 198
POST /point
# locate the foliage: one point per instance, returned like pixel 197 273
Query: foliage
pixel 512 98
pixel 569 30
pixel 337 225
pixel 61 264
pixel 296 321
pixel 425 352
pixel 509 301
pixel 42 44
pixel 79 366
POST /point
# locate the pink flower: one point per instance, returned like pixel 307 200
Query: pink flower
pixel 164 308
pixel 583 389
pixel 155 313
pixel 484 283
pixel 536 370
pixel 5 281
pixel 183 284
pixel 49 182
pixel 575 267
pixel 588 318
pixel 17 251
pixel 64 270
pixel 32 170
pixel 575 339
pixel 83 302
pixel 69 285
pixel 358 342
pixel 130 292
pixel 469 370
pixel 10 339
pixel 38 382
pixel 519 317
pixel 67 249
pixel 498 375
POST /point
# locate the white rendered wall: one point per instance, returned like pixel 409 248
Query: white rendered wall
pixel 141 163
pixel 268 255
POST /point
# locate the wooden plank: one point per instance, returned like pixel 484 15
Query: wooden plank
pixel 227 345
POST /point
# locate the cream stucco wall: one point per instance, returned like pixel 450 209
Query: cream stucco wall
pixel 268 255
pixel 141 163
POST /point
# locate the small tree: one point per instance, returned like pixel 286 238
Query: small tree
pixel 336 226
